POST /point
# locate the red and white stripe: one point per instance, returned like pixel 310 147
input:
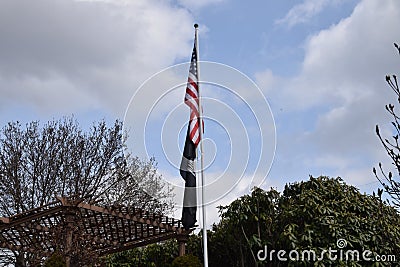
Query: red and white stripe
pixel 192 100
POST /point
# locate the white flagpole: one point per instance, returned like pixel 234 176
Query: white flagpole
pixel 205 251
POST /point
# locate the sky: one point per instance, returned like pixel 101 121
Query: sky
pixel 290 88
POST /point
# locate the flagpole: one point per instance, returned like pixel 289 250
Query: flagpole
pixel 205 250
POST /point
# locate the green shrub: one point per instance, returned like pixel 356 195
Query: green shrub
pixel 187 261
pixel 56 260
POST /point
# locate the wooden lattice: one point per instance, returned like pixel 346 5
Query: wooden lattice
pixel 82 231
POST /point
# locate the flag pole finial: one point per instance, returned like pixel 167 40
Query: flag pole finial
pixel 196 25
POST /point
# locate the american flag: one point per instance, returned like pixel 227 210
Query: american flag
pixel 187 168
pixel 192 99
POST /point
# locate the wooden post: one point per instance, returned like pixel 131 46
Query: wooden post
pixel 182 240
pixel 70 220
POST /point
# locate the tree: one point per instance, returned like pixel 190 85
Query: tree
pixel 307 216
pixel 311 215
pixel 56 260
pixel 161 254
pixel 153 255
pixel 318 213
pixel 60 159
pixel 187 260
pixel 388 181
pixel 245 224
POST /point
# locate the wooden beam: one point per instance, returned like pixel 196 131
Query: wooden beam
pixel 14 220
pixel 4 220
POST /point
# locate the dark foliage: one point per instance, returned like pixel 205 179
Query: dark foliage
pixel 311 215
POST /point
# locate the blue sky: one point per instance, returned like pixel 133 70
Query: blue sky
pixel 319 64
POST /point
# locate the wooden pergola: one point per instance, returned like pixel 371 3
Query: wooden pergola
pixel 75 227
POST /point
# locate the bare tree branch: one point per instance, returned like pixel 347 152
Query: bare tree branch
pixel 388 181
pixel 59 159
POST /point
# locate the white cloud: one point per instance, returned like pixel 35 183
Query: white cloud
pixel 197 4
pixel 303 12
pixel 85 54
pixel 266 80
pixel 332 106
pixel 344 68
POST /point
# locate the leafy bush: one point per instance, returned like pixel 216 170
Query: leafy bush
pixel 187 260
pixel 56 260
